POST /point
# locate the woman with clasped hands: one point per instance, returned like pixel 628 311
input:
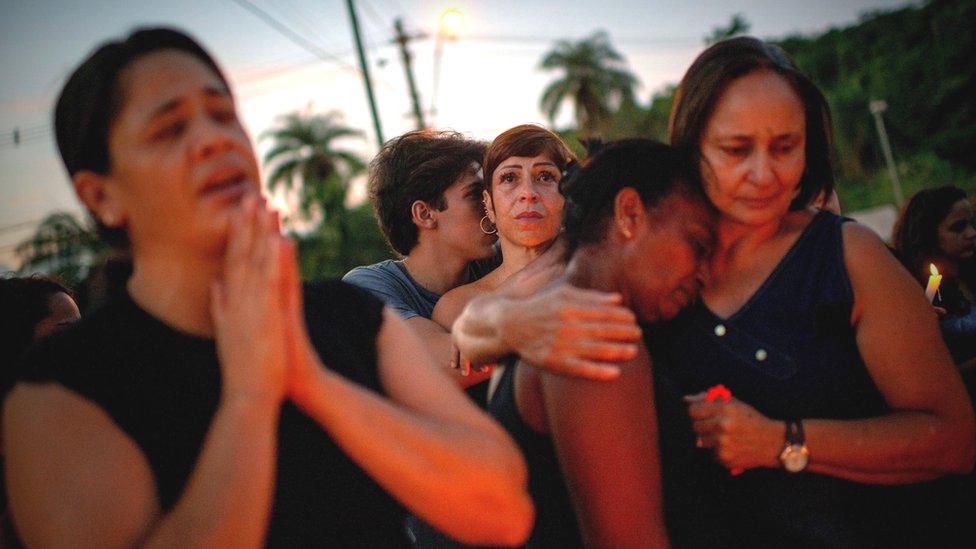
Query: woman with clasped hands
pixel 840 382
pixel 202 408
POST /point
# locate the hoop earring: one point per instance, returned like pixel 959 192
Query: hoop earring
pixel 481 224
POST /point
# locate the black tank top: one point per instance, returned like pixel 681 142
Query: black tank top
pixel 692 503
pixel 162 388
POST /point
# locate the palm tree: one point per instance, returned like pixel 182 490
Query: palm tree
pixel 61 246
pixel 304 158
pixel 594 77
pixel 737 25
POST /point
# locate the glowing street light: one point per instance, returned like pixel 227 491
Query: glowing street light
pixel 451 23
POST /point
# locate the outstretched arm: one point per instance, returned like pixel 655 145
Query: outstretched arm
pixel 606 437
pixel 564 329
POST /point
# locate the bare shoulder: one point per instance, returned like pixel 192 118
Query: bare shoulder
pixel 878 279
pixel 860 239
pixel 73 476
pixel 865 254
pixel 450 305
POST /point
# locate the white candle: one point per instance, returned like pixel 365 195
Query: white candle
pixel 933 285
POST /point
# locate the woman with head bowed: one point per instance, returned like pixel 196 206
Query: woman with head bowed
pixel 840 384
pixel 216 403
pixel 637 223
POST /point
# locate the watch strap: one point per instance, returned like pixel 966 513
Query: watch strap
pixel 794 432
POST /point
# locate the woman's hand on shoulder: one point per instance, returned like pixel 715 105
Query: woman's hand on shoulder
pixel 248 305
pixel 573 331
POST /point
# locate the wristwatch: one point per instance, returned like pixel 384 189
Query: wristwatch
pixel 795 455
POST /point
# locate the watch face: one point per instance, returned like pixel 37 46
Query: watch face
pixel 795 458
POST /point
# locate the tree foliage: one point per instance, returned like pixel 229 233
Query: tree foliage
pixel 593 77
pixel 61 246
pixel 305 158
pixel 737 25
pixel 919 59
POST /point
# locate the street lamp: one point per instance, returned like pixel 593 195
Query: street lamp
pixel 450 25
pixel 878 106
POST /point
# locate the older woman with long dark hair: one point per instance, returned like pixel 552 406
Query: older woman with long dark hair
pixel 207 406
pixel 839 378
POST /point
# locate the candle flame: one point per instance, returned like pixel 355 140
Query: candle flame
pixel 933 270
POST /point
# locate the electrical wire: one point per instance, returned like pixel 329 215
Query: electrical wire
pixel 287 32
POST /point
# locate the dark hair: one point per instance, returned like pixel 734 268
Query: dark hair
pixel 916 233
pixel 712 72
pixel 92 98
pixel 526 140
pixel 418 165
pixel 651 168
pixel 23 303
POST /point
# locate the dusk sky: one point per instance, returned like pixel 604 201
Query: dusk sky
pixel 489 76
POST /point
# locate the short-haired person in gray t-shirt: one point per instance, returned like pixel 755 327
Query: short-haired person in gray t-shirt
pixel 426 186
pixel 426 189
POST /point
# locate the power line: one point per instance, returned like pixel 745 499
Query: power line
pixel 403 13
pixel 302 19
pixel 18 226
pixel 293 36
pixel 26 140
pixel 374 15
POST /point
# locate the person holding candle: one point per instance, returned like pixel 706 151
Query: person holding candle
pixel 216 403
pixel 935 232
pixel 841 383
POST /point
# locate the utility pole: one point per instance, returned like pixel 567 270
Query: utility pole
pixel 402 39
pixel 365 68
pixel 877 107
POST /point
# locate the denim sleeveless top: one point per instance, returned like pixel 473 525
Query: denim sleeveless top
pixel 790 352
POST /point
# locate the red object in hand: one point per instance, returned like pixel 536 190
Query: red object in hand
pixel 718 392
pixel 721 392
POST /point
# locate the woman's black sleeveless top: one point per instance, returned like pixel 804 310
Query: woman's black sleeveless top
pixel 162 387
pixel 692 511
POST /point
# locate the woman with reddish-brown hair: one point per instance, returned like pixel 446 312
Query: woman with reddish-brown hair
pixel 523 205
